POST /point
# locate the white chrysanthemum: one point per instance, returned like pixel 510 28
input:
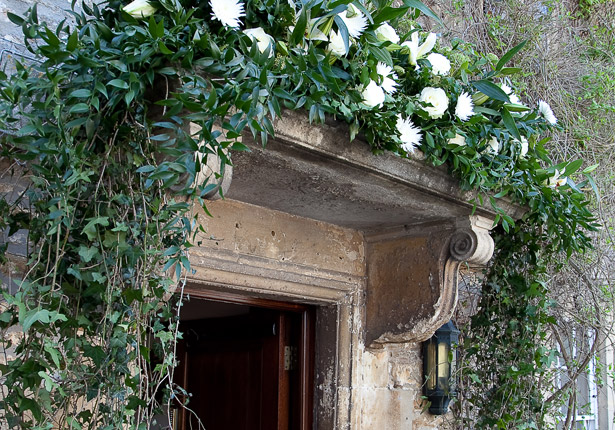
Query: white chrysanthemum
pixel 336 44
pixel 546 112
pixel 263 40
pixel 514 99
pixel 355 21
pixel 465 107
pixel 436 97
pixel 439 64
pixel 373 95
pixel 409 134
pixel 139 9
pixel 493 146
pixel 386 33
pixel 419 51
pixel 227 12
pixel 388 77
pixel 458 140
pixel 506 88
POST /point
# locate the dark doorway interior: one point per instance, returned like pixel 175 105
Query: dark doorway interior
pixel 247 364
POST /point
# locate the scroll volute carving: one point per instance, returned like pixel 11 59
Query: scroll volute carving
pixel 412 277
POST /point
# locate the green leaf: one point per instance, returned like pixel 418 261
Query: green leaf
pixel 389 13
pixel 511 53
pixel 297 35
pixel 510 124
pixel 381 54
pixel 416 4
pixel 81 93
pixel 572 167
pixel 79 108
pixel 591 168
pixel 72 41
pixel 491 90
pixel 118 83
pixel 15 19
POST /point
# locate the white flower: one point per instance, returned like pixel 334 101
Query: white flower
pixel 439 64
pixel 227 12
pixel 556 181
pixel 524 146
pixel 514 99
pixel 355 20
pixel 386 33
pixel 409 134
pixel 263 40
pixel 373 95
pixel 506 88
pixel 546 112
pixel 465 107
pixel 436 97
pixel 459 140
pixel 493 146
pixel 313 32
pixel 419 51
pixel 139 9
pixel 336 44
pixel 389 85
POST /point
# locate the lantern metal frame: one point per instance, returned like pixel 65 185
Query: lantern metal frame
pixel 439 362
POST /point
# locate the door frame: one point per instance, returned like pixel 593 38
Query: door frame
pixel 306 352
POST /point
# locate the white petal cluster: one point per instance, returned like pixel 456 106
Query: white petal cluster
pixel 458 140
pixel 313 32
pixel 523 144
pixel 439 64
pixel 417 50
pixel 465 107
pixel 493 146
pixel 336 44
pixel 227 12
pixel 388 77
pixel 436 97
pixel 373 95
pixel 386 33
pixel 409 134
pixel 556 181
pixel 263 40
pixel 545 110
pixel 355 21
pixel 139 9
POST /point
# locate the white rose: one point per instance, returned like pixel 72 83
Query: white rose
pixel 139 9
pixel 493 146
pixel 336 44
pixel 373 95
pixel 386 33
pixel 263 40
pixel 436 97
pixel 459 140
pixel 439 64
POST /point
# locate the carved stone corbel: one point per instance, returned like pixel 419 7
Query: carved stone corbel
pixel 412 277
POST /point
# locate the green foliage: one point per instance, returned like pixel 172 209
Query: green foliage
pixel 114 124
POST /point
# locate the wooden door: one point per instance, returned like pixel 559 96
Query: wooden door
pixel 247 372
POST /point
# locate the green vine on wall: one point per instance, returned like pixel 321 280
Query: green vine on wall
pixel 101 129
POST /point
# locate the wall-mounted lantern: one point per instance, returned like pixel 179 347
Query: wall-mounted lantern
pixel 439 359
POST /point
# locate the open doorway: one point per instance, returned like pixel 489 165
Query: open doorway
pixel 247 363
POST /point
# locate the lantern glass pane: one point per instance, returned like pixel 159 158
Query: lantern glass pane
pixel 444 371
pixel 431 366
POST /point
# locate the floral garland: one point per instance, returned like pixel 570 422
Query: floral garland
pixel 102 123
